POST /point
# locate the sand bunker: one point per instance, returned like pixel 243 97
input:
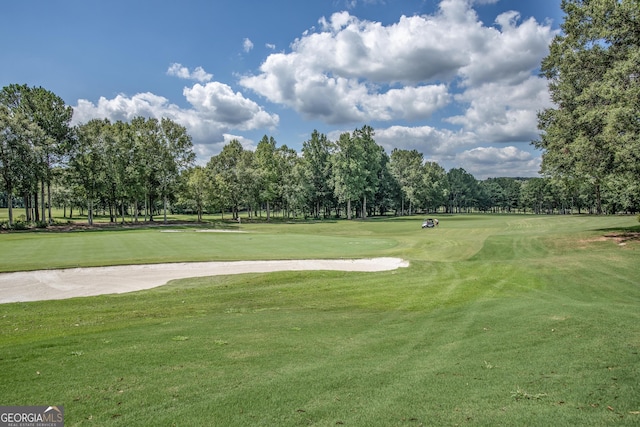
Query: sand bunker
pixel 78 282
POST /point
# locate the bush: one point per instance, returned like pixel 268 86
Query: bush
pixel 20 225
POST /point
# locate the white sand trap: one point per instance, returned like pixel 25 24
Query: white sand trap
pixel 79 282
pixel 205 231
pixel 219 231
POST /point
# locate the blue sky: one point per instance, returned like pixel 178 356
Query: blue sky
pixel 456 80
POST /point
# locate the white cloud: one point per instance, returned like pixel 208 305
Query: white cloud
pixel 204 152
pixel 198 74
pixel 480 80
pixel 354 70
pixel 126 108
pixel 215 111
pixel 500 112
pixel 434 143
pixel 508 55
pixel 488 162
pixel 247 45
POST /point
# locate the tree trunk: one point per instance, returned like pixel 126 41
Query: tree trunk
pixel 27 206
pixel 49 202
pixel 364 207
pixel 165 208
pixel 90 212
pixel 348 209
pixel 598 200
pixel 43 206
pixel 10 206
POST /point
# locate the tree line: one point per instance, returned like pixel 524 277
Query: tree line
pixel 131 171
pixel 134 170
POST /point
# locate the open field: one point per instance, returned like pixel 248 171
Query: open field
pixel 499 320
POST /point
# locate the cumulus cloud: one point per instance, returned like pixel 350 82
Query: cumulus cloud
pixel 433 142
pixel 487 162
pixel 508 54
pixel 354 70
pixel 479 80
pixel 126 108
pixel 502 112
pixel 198 74
pixel 204 152
pixel 215 110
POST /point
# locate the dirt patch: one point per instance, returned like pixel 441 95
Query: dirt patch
pixel 624 237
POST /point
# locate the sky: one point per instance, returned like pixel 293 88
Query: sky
pixel 456 80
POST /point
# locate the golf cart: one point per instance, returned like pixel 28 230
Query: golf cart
pixel 428 223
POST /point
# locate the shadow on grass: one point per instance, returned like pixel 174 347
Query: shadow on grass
pixel 111 227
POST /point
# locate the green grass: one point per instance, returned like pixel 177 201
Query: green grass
pixel 499 320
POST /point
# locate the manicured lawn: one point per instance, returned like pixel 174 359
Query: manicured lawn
pixel 499 320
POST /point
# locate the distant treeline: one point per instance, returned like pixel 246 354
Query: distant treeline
pixel 133 171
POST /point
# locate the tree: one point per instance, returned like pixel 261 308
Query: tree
pixel 267 164
pixel 125 159
pixel 53 116
pixel 593 131
pixel 289 178
pixel 16 154
pixel 463 189
pixel 88 161
pixel 502 193
pixel 347 167
pixel 406 167
pixel 176 153
pixel 48 145
pixel 388 185
pixel 370 164
pixel 165 150
pixel 316 154
pixel 226 176
pixel 434 185
pixel 197 188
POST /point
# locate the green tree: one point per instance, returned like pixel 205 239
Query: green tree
pixel 125 168
pixel 316 153
pixel 463 190
pixel 406 167
pixel 267 164
pixel 226 176
pixel 371 164
pixel 289 179
pixel 593 130
pixel 49 144
pixel 88 161
pixel 434 186
pixel 197 188
pixel 176 156
pixel 53 116
pixel 348 170
pixel 166 150
pixel 387 185
pixel 16 153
